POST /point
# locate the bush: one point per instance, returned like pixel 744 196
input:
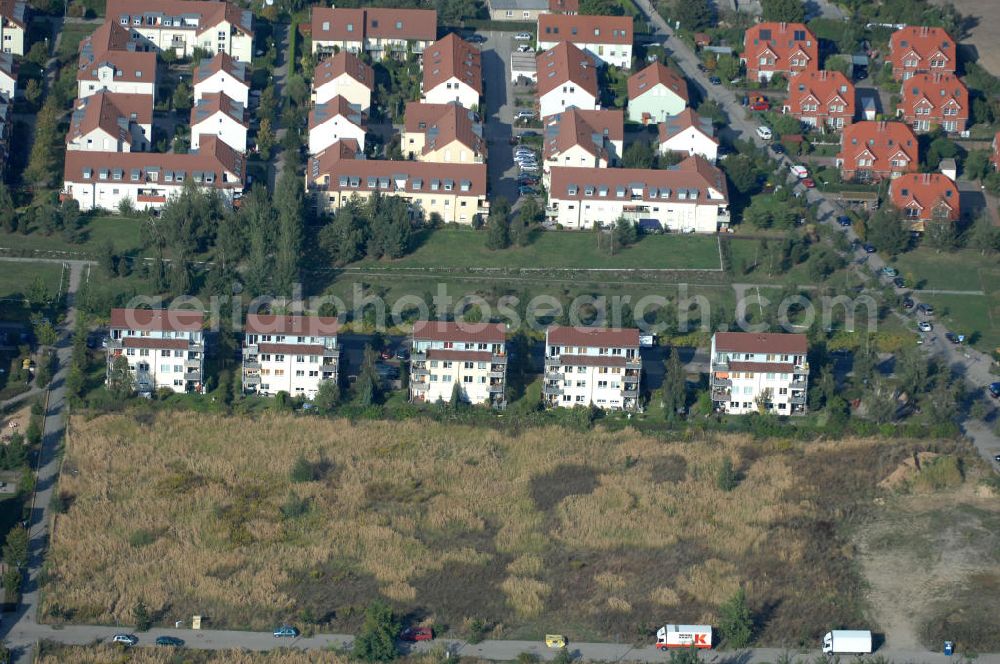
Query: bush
pixel 940 473
pixel 735 621
pixel 726 479
pixel 295 506
pixel 141 538
pixel 303 471
pixel 376 642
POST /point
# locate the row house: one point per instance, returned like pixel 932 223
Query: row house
pixel 529 10
pixel 215 114
pixel 378 31
pixel 469 357
pixel 779 48
pixel 919 49
pixel 102 180
pixel 934 99
pixel 109 122
pixel 923 197
pixel 13 26
pixel 335 120
pixel 872 151
pixel 453 73
pixel 567 78
pixel 457 192
pixel 121 72
pixel 291 354
pixel 582 139
pixel 759 372
pixel 590 366
pixel 223 75
pixel 344 75
pixel 689 197
pixel 823 99
pixel 608 39
pixel 442 133
pixel 690 134
pixel 181 26
pixel 164 348
pixel 656 93
pixel 8 77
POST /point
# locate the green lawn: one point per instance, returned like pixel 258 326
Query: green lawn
pixel 975 316
pixel 959 270
pixel 448 248
pixel 125 234
pixel 16 279
pixel 72 35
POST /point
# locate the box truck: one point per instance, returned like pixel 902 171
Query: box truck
pixel 847 642
pixel 684 636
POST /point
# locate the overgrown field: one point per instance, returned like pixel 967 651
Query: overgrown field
pixel 598 535
pixel 108 654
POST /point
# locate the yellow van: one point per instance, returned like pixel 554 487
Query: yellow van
pixel 555 640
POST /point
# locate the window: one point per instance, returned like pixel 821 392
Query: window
pixel 164 368
pixel 299 373
pixel 466 379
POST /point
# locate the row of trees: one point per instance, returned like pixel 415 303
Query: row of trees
pixel 377 227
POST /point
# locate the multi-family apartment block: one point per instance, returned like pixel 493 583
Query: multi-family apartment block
pixel 443 133
pixel 13 26
pixel 335 120
pixel 872 151
pixel 821 99
pixel 779 48
pixel 292 354
pixel 381 32
pixel 216 114
pixel 689 133
pixel 656 93
pixel 344 75
pixel 608 39
pixel 457 192
pixel 109 122
pixel 923 197
pixel 567 78
pixel 164 348
pixel 102 180
pixel 223 75
pixel 918 49
pixel 529 10
pixel 689 197
pixel 930 100
pixel 598 367
pixel 120 72
pixel 181 26
pixel 582 139
pixel 453 72
pixel 759 372
pixel 472 356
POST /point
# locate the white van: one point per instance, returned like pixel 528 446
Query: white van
pixel 764 133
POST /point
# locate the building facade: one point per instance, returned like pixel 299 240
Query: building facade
pixel 453 73
pixel 108 122
pixel 598 367
pixel 380 32
pixel 689 133
pixel 779 48
pixel 759 372
pixel 223 75
pixel 344 75
pixel 567 78
pixel 164 348
pixel 918 49
pixel 291 354
pixel 821 99
pixel 442 133
pixel 472 356
pixel 582 139
pixel 608 39
pixel 217 115
pixel 336 120
pixel 13 26
pixel 656 93
pixel 925 197
pixel 930 100
pixel 872 151
pixel 120 72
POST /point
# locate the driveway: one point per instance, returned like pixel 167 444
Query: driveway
pixel 498 115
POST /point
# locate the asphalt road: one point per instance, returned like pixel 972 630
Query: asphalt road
pixel 499 115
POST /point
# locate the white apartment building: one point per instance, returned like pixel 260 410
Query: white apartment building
pixel 752 371
pixel 292 354
pixel 109 122
pixel 582 139
pixel 688 197
pixel 452 73
pixel 592 366
pixel 182 26
pixel 336 120
pixel 121 72
pixel 470 355
pixel 344 75
pixel 223 75
pixel 379 31
pixel 163 347
pixel 13 26
pixel 606 38
pixel 218 115
pixel 567 78
pixel 689 133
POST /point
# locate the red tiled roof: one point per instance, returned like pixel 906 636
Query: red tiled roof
pixel 438 330
pixel 823 86
pixel 655 74
pixel 209 12
pixel 452 57
pixel 13 11
pixel 104 109
pixel 933 195
pixel 564 63
pixel 587 128
pixel 109 36
pixel 761 342
pixel 393 177
pixel 157 320
pixel 564 6
pixel 342 63
pixel 345 24
pixel 883 140
pixel 345 148
pixel 762 367
pixel 593 360
pixel 938 90
pixel 306 326
pixel 442 124
pixel 131 67
pixel 291 349
pixel 336 107
pixel 148 342
pixel 592 337
pixel 925 42
pixel 583 29
pixel 694 173
pixel 459 355
pixel 780 39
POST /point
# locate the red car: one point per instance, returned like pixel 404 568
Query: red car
pixel 417 634
pixel 386 354
pixel 760 106
pixel 808 183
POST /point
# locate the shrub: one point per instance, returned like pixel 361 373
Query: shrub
pixel 940 473
pixel 141 538
pixel 726 479
pixel 302 471
pixel 376 642
pixel 735 621
pixel 295 506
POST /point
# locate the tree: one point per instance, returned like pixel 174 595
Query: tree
pixel 121 383
pixel 376 642
pixel 735 621
pixel 457 398
pixel 8 213
pixel 601 8
pixel 15 549
pixel 888 231
pixel 302 470
pixel 726 478
pixel 727 67
pixel 625 234
pixel 984 237
pixel 912 371
pixel 288 254
pixel 451 12
pixel 265 138
pixel 327 397
pixel 140 614
pixel 784 11
pixel 941 235
pixel 390 229
pixel 639 154
pixel 368 388
pixel 695 15
pixel 41 168
pixel 344 238
pixel 976 164
pixel 297 89
pixel 741 172
pixel 686 656
pixel 260 220
pixel 33 92
pixel 940 148
pixel 674 387
pixel 497 232
pixel 182 99
pixel 865 362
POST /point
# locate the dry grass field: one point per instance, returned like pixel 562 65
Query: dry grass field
pixel 598 535
pixel 108 654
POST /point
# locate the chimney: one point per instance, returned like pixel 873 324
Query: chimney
pixel 924 30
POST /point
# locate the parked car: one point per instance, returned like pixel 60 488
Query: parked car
pixel 523 36
pixel 524 190
pixel 715 80
pixel 778 148
pixel 925 309
pixel 555 640
pixel 907 302
pixel 869 248
pixel 889 271
pixel 994 390
pixel 286 631
pixel 844 220
pixel 801 172
pixel 529 134
pixel 899 282
pixel 126 640
pixel 702 68
pixel 760 106
pixel 476 39
pixel 924 326
pixel 417 634
pixel 172 641
pixel 527 179
pixel 524 48
pixel 764 133
pixel 524 115
pixel 402 354
pixel 808 183
pixel 385 354
pixel 953 338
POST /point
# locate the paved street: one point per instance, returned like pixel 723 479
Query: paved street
pixel 499 114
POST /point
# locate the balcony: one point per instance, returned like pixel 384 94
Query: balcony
pixel 722 382
pixel 192 365
pixel 251 379
pixel 797 398
pixel 147 198
pixel 553 361
pixel 192 375
pixel 721 395
pixel 419 371
pixel 496 388
pixel 633 363
pixel 552 390
pixel 553 375
pixel 630 394
pixel 720 366
pixel 497 374
pixel 419 386
pixel 251 364
pixel 499 359
pixel 723 218
pixel 419 357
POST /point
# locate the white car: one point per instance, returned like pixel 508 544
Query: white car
pixel 924 326
pixel 801 172
pixel 764 133
pixel 126 640
pixel 523 36
pixel 524 115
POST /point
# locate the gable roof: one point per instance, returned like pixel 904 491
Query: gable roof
pixel 306 326
pixel 207 13
pixel 343 24
pixel 782 39
pixel 442 124
pixel 761 342
pixel 938 89
pixel 655 74
pixel 592 337
pixel 926 192
pixel 687 181
pixel 460 331
pixel 587 128
pixel 222 62
pixel 132 67
pixel 13 11
pixel 452 57
pixel 396 177
pixel 564 63
pixel 675 124
pixel 583 29
pixel 824 86
pixel 338 106
pixel 109 36
pixel 924 42
pixel 564 6
pixel 111 113
pixel 8 66
pixel 157 320
pixel 883 140
pixel 218 102
pixel 340 64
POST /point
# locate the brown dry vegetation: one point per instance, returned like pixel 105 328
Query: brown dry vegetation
pixel 597 534
pixel 108 654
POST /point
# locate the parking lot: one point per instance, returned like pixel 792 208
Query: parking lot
pixel 499 114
